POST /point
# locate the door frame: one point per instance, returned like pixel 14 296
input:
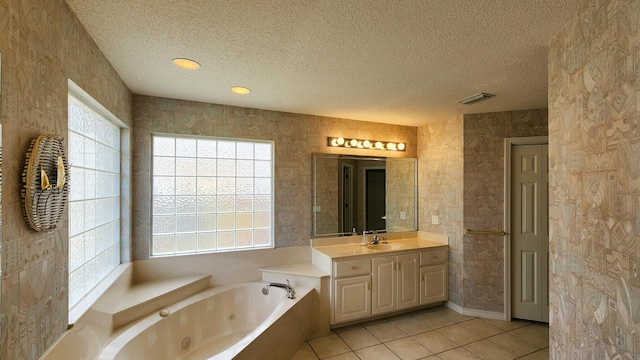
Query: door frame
pixel 364 192
pixel 508 145
pixel 350 200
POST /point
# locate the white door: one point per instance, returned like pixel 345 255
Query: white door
pixel 352 299
pixel 384 290
pixel 408 292
pixel 433 284
pixel 529 233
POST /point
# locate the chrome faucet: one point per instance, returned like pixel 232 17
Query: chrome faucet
pixel 291 294
pixel 375 240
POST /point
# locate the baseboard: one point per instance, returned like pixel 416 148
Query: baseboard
pixel 474 312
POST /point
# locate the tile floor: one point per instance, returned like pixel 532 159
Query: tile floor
pixel 434 334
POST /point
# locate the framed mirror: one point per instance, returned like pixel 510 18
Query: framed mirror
pixel 352 194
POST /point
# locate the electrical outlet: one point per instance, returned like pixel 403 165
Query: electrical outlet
pixel 435 220
pixel 403 215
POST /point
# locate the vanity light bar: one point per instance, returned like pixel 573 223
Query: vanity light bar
pixel 365 144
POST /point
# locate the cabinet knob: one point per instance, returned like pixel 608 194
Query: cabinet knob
pixel 355 267
pixel 435 257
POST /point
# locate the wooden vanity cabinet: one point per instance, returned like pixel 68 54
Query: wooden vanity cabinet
pixel 433 276
pixel 377 284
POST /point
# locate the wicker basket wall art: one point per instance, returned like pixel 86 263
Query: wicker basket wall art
pixel 46 183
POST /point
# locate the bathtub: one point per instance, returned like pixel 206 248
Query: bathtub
pixel 226 322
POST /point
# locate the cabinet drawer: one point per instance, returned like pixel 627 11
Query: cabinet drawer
pixel 351 268
pixel 433 257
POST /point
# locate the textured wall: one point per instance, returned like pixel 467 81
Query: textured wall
pixel 484 136
pixel 401 195
pixel 296 138
pixel 328 187
pixel 594 148
pixel 440 189
pixel 42 45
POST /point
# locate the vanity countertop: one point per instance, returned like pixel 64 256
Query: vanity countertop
pixel 335 251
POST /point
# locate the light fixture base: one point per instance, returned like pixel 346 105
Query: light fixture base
pixel 475 98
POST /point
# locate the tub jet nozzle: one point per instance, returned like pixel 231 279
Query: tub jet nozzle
pixel 265 290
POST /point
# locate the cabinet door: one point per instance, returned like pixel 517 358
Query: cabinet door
pixel 385 287
pixel 408 288
pixel 352 299
pixel 433 284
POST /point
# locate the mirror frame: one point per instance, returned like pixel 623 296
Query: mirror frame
pixel 410 194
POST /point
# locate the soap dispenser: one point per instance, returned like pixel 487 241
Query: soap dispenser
pixel 364 239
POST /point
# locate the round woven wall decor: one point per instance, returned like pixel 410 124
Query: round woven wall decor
pixel 46 183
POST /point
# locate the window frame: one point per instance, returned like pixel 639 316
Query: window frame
pixel 271 210
pixel 124 198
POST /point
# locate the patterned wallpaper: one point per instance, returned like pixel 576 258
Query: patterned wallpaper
pixel 594 148
pixel 401 195
pixel 296 137
pixel 440 189
pixel 328 185
pixel 42 45
pixel 484 136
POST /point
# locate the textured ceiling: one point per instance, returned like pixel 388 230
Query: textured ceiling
pixel 400 62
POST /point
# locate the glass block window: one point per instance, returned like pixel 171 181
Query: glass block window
pixel 211 194
pixel 94 198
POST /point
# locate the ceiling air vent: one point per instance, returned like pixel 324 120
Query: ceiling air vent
pixel 475 98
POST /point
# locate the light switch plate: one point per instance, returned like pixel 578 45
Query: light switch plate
pixel 435 220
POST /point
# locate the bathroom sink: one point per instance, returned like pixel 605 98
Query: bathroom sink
pixel 385 247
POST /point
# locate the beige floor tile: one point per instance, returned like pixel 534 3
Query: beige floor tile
pixel 433 320
pixel 377 352
pixel 542 327
pixel 348 328
pixel 358 338
pixel 487 350
pixel 435 342
pixel 375 322
pixel 459 334
pixel 458 354
pixel 408 349
pixel 319 336
pixel 507 325
pixel 454 316
pixel 411 325
pixel 533 335
pixel 345 356
pixel 514 344
pixel 432 357
pixel 481 328
pixel 305 353
pixel 538 355
pixel 398 317
pixel 386 332
pixel 327 346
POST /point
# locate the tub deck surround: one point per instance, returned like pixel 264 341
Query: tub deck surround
pixel 141 299
pixel 226 322
pixel 306 275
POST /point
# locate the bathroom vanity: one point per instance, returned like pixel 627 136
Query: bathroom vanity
pixel 372 280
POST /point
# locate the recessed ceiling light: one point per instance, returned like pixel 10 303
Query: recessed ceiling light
pixel 186 64
pixel 241 90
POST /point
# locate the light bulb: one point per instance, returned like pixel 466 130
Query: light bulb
pixel 401 146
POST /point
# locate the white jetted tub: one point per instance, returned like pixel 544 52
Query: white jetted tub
pixel 226 322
